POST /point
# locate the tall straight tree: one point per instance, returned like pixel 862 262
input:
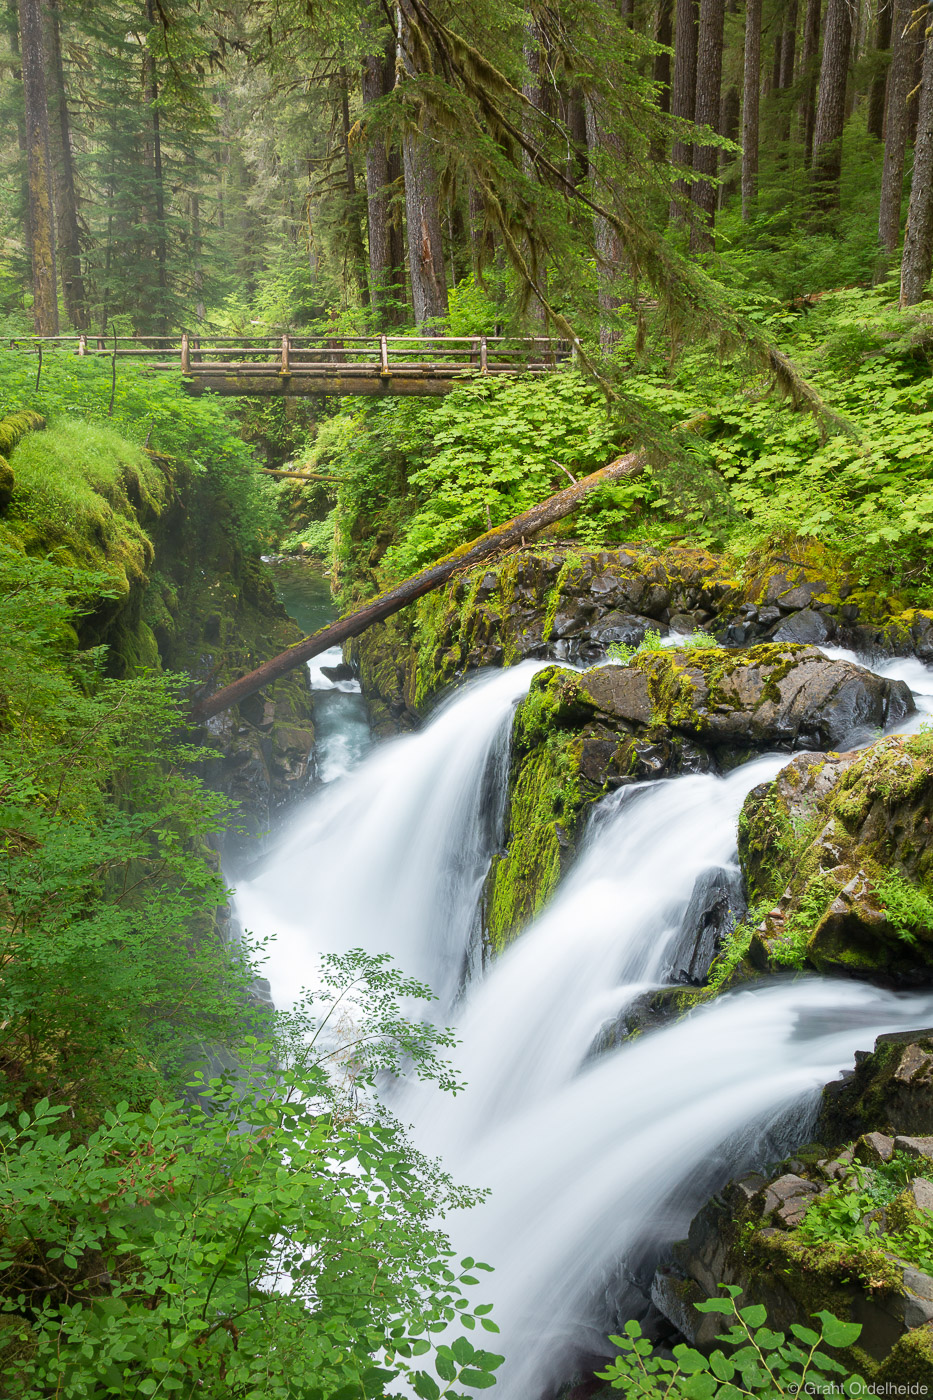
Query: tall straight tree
pixel 535 90
pixel 422 210
pixel 917 259
pixel 63 170
pixel 788 46
pixel 896 124
pixel 708 99
pixel 750 106
pixel 876 96
pixel 809 69
pixel 683 91
pixel 386 254
pixel 831 103
pixel 39 167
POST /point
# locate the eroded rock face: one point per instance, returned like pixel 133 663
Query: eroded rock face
pixel 838 852
pixel 580 735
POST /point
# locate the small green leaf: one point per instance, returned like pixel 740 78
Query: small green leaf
pixel 837 1333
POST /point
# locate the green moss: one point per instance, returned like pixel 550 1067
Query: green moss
pixel 544 812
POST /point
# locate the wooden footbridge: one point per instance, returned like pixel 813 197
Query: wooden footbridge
pixel 298 365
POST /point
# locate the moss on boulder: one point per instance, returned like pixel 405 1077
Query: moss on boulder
pixel 838 857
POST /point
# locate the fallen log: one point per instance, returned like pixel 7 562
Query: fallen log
pixel 513 532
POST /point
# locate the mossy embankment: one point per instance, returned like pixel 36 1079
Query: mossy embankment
pixel 177 584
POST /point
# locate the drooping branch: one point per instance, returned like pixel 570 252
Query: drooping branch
pixel 505 536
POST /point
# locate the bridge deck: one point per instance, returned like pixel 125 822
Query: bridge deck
pixel 294 365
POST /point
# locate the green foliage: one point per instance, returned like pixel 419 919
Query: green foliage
pixel 863 1212
pixel 696 641
pixel 909 908
pixel 112 967
pixel 276 1237
pixel 152 411
pixel 759 1362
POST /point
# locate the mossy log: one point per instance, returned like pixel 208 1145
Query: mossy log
pixel 512 533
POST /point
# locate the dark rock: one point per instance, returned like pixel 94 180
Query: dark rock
pixel 873 1148
pixel 620 692
pixel 714 909
pixel 811 628
pixel 342 672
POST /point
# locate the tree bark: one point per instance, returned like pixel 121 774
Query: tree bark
pixel 708 97
pixel 506 536
pixel 750 107
pixel 876 96
pixel 895 127
pixel 534 91
pixel 422 210
pixel 151 85
pixel 788 46
pixel 831 103
pixel 809 67
pixel 683 91
pixel 663 33
pixel 65 200
pixel 386 255
pixel 352 222
pixel 917 260
pixel 41 219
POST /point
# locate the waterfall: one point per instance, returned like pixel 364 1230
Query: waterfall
pixel 392 858
pixel 588 1160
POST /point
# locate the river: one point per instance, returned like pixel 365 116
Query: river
pixel 594 1162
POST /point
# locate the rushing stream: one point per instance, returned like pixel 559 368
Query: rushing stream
pixel 593 1162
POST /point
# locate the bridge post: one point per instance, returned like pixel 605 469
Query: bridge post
pixel 384 355
pixel 483 357
pixel 285 349
pixel 82 344
pixel 185 354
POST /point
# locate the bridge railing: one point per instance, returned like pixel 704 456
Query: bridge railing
pixel 301 353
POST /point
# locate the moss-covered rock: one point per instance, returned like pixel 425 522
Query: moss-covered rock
pixel 579 735
pixel 838 857
pixel 567 602
pixel 818 1231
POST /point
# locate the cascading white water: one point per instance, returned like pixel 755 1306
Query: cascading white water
pixel 392 858
pixel 585 1159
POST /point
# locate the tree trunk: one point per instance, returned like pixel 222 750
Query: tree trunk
pixel 577 168
pixel 352 224
pixel 750 107
pixel 534 91
pixel 917 261
pixel 789 46
pixel 151 85
pixel 880 82
pixel 730 116
pixel 66 203
pixel 422 211
pixel 42 223
pixel 708 97
pixel 663 33
pixel 609 251
pixel 16 72
pixel 385 253
pixel 809 67
pixel 831 103
pixel 506 536
pixel 683 91
pixel 895 127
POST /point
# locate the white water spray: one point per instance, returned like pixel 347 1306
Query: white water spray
pixel 586 1160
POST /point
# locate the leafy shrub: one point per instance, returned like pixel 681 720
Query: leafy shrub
pixel 759 1362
